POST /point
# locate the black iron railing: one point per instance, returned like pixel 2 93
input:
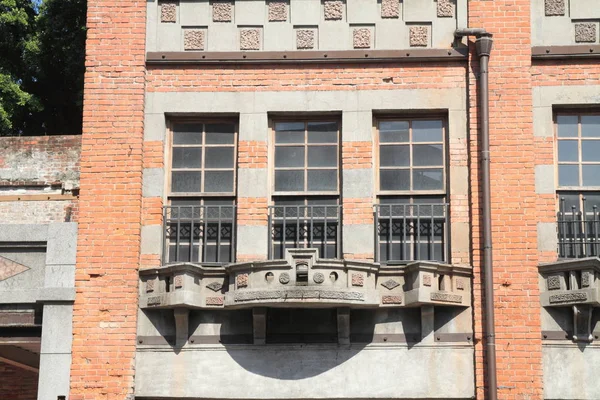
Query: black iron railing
pixel 578 232
pixel 411 232
pixel 305 226
pixel 201 234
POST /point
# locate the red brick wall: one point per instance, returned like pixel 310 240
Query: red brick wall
pixel 17 383
pixel 105 310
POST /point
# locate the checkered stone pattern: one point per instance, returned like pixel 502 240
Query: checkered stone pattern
pixel 242 280
pixel 361 38
pixel 554 7
pixel 168 12
pixel 222 11
pixel 250 39
pixel 390 8
pixel 418 36
pixel 358 280
pixel 553 282
pixel 278 10
pixel 305 39
pixel 178 281
pixel 193 39
pixel 334 9
pixel 585 33
pixel 445 9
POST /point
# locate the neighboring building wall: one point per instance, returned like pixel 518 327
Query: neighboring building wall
pixel 17 384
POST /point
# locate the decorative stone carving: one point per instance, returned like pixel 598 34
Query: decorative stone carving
pixel 585 279
pixel 214 301
pixel 553 282
pixel 554 7
pixel 242 280
pixel 284 278
pixel 168 12
pixel 150 285
pixel 585 32
pixel 334 9
pixel 446 297
pixel 10 268
pixel 178 281
pixel 154 301
pixel 568 297
pixel 426 279
pixel 278 10
pixel 361 38
pixel 358 280
pixel 418 36
pixel 297 294
pixel 250 39
pixel 445 9
pixel 390 284
pixel 391 299
pixel 215 286
pixel 222 11
pixel 193 39
pixel 460 284
pixel 582 323
pixel 305 39
pixel 390 8
pixel 318 277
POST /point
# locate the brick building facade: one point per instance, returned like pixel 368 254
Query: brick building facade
pixel 283 199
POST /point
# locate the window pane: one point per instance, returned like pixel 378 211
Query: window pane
pixel 592 199
pixel 185 181
pixel 567 201
pixel 219 157
pixel 394 179
pixel 218 181
pixel 394 156
pixel 566 125
pixel 289 156
pixel 427 131
pixel 220 133
pixel 428 154
pixel 590 125
pixel 568 150
pixel 428 179
pixel 590 150
pixel 187 134
pixel 289 132
pixel 322 156
pixel 322 180
pixel 393 131
pixel 568 175
pixel 289 181
pixel 591 175
pixel 187 157
pixel 322 132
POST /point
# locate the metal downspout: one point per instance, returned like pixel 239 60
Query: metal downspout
pixel 483 47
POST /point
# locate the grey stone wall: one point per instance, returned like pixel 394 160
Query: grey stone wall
pixel 284 25
pixel 565 22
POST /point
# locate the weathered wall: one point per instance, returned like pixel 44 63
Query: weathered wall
pixel 17 384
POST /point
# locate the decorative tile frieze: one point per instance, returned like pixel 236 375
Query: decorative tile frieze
pixel 214 301
pixel 568 297
pixel 358 280
pixel 193 39
pixel 168 12
pixel 554 7
pixel 241 280
pixel 391 299
pixel 445 9
pixel 446 297
pixel 305 39
pixel 250 39
pixel 418 36
pixel 278 10
pixel 361 38
pixel 390 8
pixel 334 9
pixel 222 11
pixel 585 32
pixel 390 284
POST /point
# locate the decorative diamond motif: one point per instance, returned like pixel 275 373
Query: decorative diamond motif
pixel 10 268
pixel 215 286
pixel 390 284
pixel 553 282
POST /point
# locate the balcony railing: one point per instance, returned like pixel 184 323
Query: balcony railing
pixel 411 232
pixel 199 234
pixel 578 232
pixel 305 226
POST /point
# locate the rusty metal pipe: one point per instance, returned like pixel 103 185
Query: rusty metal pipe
pixel 483 48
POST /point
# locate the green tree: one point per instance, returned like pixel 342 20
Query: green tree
pixel 41 77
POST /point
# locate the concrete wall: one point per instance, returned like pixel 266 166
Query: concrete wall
pixel 564 22
pixel 203 25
